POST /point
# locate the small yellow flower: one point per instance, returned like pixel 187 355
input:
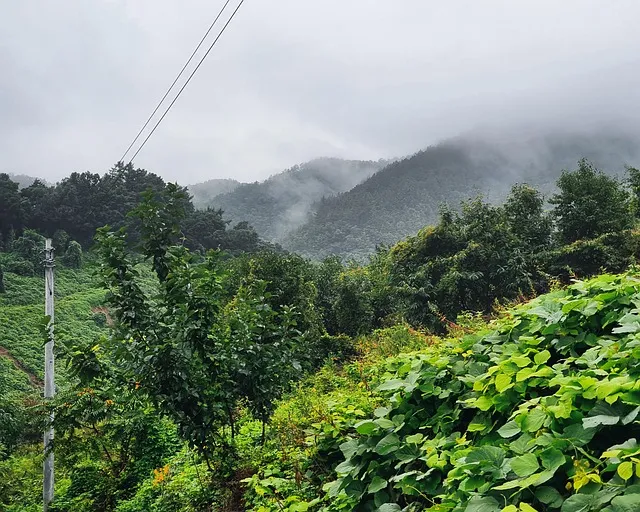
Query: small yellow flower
pixel 160 475
pixel 108 403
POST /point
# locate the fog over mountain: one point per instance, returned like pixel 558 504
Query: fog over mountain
pixel 282 203
pixel 406 195
pixel 203 194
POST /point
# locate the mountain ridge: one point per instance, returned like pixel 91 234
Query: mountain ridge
pixel 406 195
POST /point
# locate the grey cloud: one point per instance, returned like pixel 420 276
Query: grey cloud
pixel 292 80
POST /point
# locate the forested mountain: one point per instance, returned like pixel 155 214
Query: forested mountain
pixel 203 194
pixel 283 202
pixel 407 194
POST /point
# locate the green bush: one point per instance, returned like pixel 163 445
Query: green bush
pixel 21 267
pixel 538 413
pixel 72 257
pixel 611 252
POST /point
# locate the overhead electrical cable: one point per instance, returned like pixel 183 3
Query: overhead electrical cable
pixel 178 77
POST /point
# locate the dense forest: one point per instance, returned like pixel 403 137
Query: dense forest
pixel 469 367
pixel 74 208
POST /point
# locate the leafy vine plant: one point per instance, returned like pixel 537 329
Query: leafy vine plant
pixel 538 413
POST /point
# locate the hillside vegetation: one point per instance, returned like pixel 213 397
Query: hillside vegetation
pixel 285 201
pixel 203 194
pixel 537 411
pixel 407 194
pixel 195 380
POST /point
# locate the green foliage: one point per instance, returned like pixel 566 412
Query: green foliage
pixel 30 247
pixel 75 207
pixel 179 485
pixel 289 279
pixel 537 412
pixel 308 426
pixel 262 348
pixel 21 313
pixel 465 263
pixel 72 257
pixel 611 252
pixel 11 214
pixel 590 204
pixel 191 360
pixel 524 212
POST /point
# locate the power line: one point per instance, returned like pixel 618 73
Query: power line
pixel 176 79
pixel 188 79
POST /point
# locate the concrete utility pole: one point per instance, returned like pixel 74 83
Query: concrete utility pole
pixel 49 372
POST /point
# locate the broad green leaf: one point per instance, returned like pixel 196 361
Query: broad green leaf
pixel 391 385
pixel 483 403
pixel 525 507
pixel 525 465
pixel 482 504
pixel 542 357
pixel 389 507
pixel 376 485
pixel 493 455
pixel 524 374
pixel 510 508
pixel 387 444
pixel 349 448
pixel 534 420
pixel 381 411
pixel 408 452
pixel 345 467
pixel 503 382
pixel 366 427
pixel 625 470
pixel 578 503
pixel 626 503
pixel 596 421
pixel 384 423
pixel 522 444
pixel 509 429
pixel 521 361
pixel 631 416
pixel 414 438
pixel 552 458
pixel 549 496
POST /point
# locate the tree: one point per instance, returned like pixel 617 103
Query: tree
pixel 178 349
pixel 524 210
pixel 465 263
pixel 633 179
pixel 30 247
pixel 11 211
pixel 589 204
pixel 72 257
pixel 262 346
pixel 2 288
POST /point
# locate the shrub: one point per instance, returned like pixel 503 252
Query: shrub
pixel 538 413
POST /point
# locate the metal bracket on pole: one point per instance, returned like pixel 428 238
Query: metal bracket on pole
pixel 49 373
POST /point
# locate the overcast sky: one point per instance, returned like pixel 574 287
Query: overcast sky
pixel 291 80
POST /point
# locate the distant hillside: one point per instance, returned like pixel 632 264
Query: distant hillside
pixel 23 180
pixel 283 202
pixel 204 193
pixel 406 195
